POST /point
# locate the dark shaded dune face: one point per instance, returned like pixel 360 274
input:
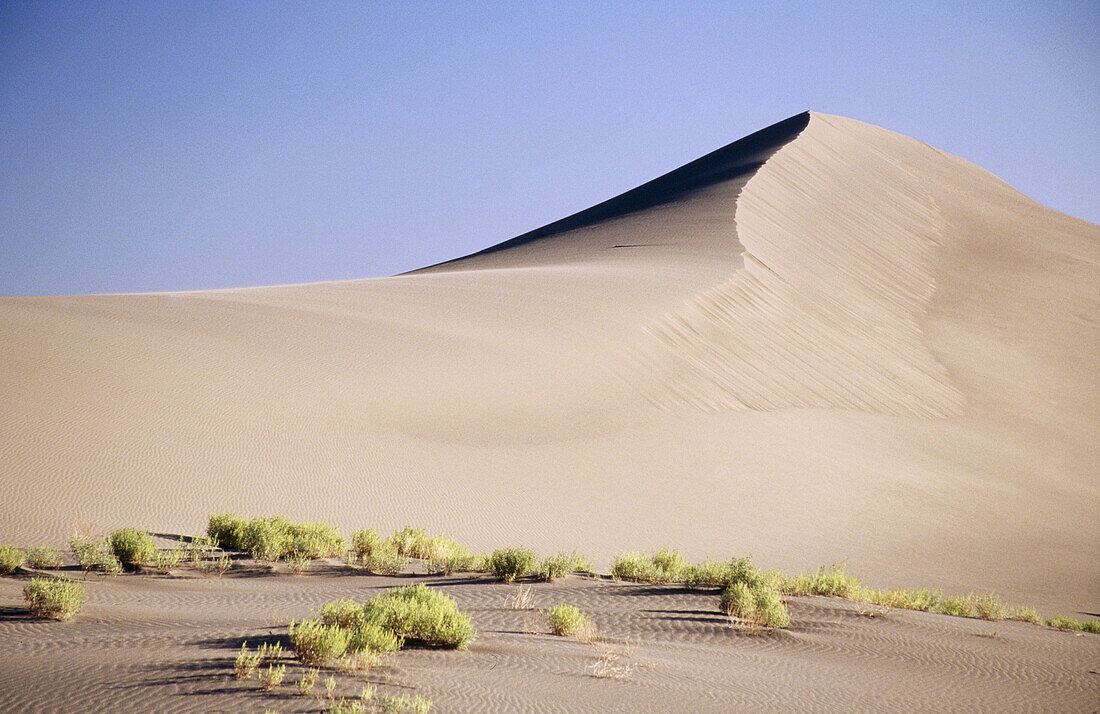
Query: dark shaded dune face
pixel 717 177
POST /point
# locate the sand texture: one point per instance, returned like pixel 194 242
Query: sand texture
pixel 149 643
pixel 827 341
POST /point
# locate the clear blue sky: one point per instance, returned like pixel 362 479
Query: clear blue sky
pixel 148 146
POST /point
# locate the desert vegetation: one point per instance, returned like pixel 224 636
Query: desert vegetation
pixel 133 548
pixel 566 620
pixel 511 563
pixel 44 557
pixel 54 598
pixel 11 559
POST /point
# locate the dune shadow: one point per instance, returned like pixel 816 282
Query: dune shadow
pixel 11 613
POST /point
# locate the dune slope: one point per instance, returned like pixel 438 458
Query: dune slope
pixel 826 341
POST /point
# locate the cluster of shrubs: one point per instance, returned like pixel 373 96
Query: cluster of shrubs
pixel 357 635
pixel 276 538
pixel 509 564
pixel 54 598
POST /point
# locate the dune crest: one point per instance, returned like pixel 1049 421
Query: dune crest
pixel 825 312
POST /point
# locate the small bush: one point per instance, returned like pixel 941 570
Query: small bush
pixel 463 561
pixel 316 644
pixel 567 620
pixel 1068 623
pixel 385 560
pixel 95 554
pixel 759 606
pixel 371 637
pixel 307 681
pixel 273 676
pixel 54 598
pixel 555 566
pixel 958 606
pixel 988 607
pixel 511 563
pixel 923 599
pixel 417 612
pixel 43 557
pixel 314 540
pixel 364 542
pixel 412 542
pixel 226 530
pixel 11 559
pixel 267 538
pixel 168 560
pixel 1026 614
pixel 342 613
pixel 200 548
pixel 132 547
pixel 669 563
pixel 636 568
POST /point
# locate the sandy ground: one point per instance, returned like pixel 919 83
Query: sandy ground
pixel 825 342
pixel 167 644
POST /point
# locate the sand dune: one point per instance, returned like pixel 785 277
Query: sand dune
pixel 826 341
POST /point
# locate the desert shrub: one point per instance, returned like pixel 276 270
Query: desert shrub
pixel 132 547
pixel 316 644
pixel 511 563
pixel 669 563
pixel 267 538
pixel 412 542
pixel 988 607
pixel 11 559
pixel 219 565
pixel 385 560
pixel 307 682
pixel 760 606
pixel 1068 623
pixel 342 613
pixel 462 560
pixel 567 620
pixel 43 557
pixel 54 598
pixel 723 575
pixel 959 606
pixel 371 637
pixel 95 554
pixel 273 676
pixel 364 542
pixel 200 548
pixel 635 567
pixel 737 601
pixel 923 599
pixel 1026 613
pixel 226 530
pixel 168 560
pixel 417 612
pixel 314 540
pixel 833 581
pixel 555 566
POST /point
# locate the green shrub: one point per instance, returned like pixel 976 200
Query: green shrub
pixel 760 606
pixel 567 620
pixel 342 613
pixel 636 568
pixel 958 606
pixel 54 598
pixel 314 540
pixel 95 554
pixel 200 547
pixel 669 563
pixel 385 560
pixel 988 607
pixel 364 542
pixel 555 566
pixel 1068 623
pixel 273 676
pixel 371 637
pixel 463 561
pixel 923 599
pixel 132 547
pixel 1026 614
pixel 316 644
pixel 723 575
pixel 11 559
pixel 307 681
pixel 417 612
pixel 43 557
pixel 168 560
pixel 738 601
pixel 267 538
pixel 511 563
pixel 226 530
pixel 412 542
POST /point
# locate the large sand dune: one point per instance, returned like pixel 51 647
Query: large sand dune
pixel 824 342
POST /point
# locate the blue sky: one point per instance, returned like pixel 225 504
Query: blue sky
pixel 149 146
